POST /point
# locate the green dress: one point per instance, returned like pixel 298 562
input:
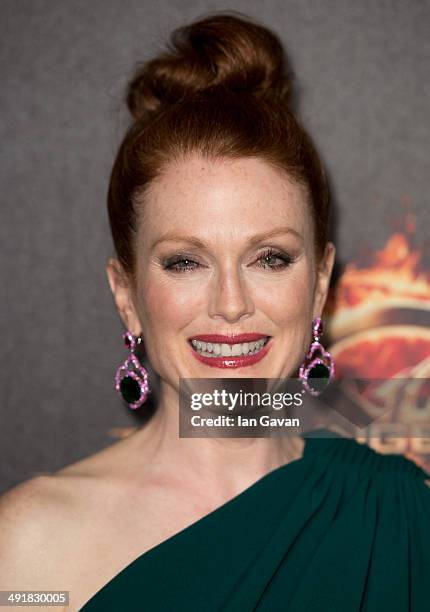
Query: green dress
pixel 344 528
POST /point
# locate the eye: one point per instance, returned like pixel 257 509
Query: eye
pixel 180 263
pixel 269 257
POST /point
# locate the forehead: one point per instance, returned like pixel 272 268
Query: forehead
pixel 223 198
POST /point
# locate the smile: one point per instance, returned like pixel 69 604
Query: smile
pixel 229 354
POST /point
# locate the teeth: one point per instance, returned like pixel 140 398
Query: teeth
pixel 213 349
pixel 236 349
pixel 226 350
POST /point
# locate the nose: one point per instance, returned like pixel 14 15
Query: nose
pixel 230 298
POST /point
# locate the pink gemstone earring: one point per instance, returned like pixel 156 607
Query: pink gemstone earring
pixel 131 378
pixel 317 369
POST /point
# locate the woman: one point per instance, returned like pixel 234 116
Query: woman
pixel 218 208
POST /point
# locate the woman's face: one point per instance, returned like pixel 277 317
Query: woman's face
pixel 224 248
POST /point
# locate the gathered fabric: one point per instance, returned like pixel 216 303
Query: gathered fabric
pixel 342 529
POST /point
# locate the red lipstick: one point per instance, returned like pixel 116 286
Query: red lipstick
pixel 233 361
pixel 232 339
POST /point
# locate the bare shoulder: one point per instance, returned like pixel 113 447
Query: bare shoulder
pixel 28 513
pixel 44 503
pixel 46 510
pixel 46 524
pixel 35 505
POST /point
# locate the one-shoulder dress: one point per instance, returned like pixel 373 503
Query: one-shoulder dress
pixel 344 528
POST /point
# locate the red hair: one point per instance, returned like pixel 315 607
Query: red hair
pixel 221 90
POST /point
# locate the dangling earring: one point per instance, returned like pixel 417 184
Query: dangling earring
pixel 317 369
pixel 131 378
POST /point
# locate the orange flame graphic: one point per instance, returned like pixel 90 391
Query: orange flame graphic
pixel 378 324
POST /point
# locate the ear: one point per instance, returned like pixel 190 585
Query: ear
pixel 324 272
pixel 121 288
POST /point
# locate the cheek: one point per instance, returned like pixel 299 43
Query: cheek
pixel 287 299
pixel 166 305
pixel 171 304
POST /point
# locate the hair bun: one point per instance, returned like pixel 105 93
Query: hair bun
pixel 223 50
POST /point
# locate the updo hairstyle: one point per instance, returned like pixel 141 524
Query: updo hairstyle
pixel 222 89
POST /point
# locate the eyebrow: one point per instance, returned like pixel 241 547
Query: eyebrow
pixel 173 237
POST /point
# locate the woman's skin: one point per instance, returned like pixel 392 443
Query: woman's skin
pixel 226 289
pixel 105 510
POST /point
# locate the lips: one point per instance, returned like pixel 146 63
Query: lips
pixel 231 339
pixel 231 361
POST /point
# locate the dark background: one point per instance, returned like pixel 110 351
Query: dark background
pixel 362 87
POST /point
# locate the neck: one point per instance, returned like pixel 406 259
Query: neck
pixel 219 467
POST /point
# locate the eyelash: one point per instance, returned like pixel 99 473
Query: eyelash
pixel 287 261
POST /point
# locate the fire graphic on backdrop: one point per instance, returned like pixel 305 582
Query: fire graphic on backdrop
pixel 378 326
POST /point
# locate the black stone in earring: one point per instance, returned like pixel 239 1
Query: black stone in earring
pixel 317 369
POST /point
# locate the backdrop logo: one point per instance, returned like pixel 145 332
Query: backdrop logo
pixel 378 326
